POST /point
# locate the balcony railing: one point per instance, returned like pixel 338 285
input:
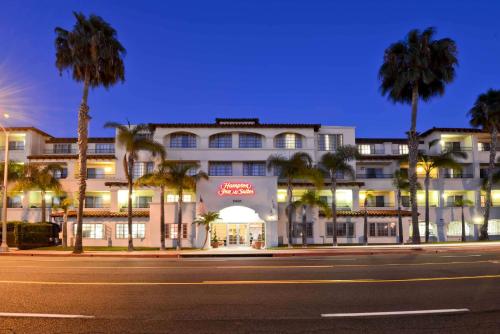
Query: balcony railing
pixel 60 151
pixel 378 205
pixel 458 149
pixel 100 176
pixel 458 176
pixel 376 151
pixel 96 206
pixel 75 151
pixel 374 176
pixel 101 151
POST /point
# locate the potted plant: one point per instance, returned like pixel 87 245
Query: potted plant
pixel 260 242
pixel 215 240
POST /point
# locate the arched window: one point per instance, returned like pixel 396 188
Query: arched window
pixel 288 141
pixel 182 140
pixel 221 140
pixel 250 140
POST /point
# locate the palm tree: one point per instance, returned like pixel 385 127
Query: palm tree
pixel 295 167
pixel 418 67
pixel 335 163
pixel 133 140
pixel 485 114
pixel 365 217
pixel 160 179
pixel 39 177
pixel 93 54
pixel 400 182
pixel 64 206
pixel 180 179
pixel 206 220
pixel 308 199
pixel 429 163
pixel 461 203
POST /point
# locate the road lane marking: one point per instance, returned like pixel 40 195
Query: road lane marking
pixel 45 315
pixel 378 314
pixel 260 266
pixel 263 282
pixel 474 255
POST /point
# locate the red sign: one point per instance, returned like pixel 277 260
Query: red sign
pixel 236 189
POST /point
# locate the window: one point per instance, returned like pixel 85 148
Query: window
pixel 91 231
pixel 138 231
pixel 16 145
pixel 182 140
pixel 365 149
pixel 288 141
pixel 453 200
pixel 141 201
pixel 483 173
pixel 403 149
pixel 453 146
pixel 374 173
pixel 483 147
pixel 405 201
pixel 250 140
pixel 61 173
pixel 171 198
pixel 382 229
pixel 14 202
pixel 330 142
pixel 142 168
pixel 224 140
pixel 104 148
pixel 171 231
pixel 62 148
pixel 220 168
pixel 254 169
pixel 376 201
pixel 94 202
pixel 343 230
pixel 298 228
pixel 95 173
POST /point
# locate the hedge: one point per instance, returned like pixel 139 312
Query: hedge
pixel 31 235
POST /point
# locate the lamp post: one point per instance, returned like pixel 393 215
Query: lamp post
pixel 4 247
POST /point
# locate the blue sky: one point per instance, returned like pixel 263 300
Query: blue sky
pixel 281 61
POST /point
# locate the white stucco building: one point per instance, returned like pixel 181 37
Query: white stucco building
pixel 250 198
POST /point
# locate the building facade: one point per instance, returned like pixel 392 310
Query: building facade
pixel 250 198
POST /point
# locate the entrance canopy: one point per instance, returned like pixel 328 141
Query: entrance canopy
pixel 238 214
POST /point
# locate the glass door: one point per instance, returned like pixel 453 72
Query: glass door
pixel 232 234
pixel 242 234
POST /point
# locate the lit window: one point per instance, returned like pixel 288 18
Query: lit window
pixel 403 149
pixel 365 149
pixel 91 231
pixel 16 145
pixel 171 198
pixel 288 141
pixel 171 231
pixel 329 142
pixel 138 231
pixel 382 229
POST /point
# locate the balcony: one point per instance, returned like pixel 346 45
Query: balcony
pixel 60 151
pixel 100 176
pixel 101 150
pixel 75 151
pixel 373 151
pixel 374 176
pixel 458 176
pixel 377 205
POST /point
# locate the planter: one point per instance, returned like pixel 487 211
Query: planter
pixel 215 244
pixel 258 244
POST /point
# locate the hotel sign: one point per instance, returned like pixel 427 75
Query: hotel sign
pixel 236 189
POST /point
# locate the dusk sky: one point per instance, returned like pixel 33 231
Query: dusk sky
pixel 282 61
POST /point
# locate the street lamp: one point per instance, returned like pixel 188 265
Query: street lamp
pixel 4 247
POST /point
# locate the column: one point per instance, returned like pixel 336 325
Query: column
pixel 355 198
pixel 113 204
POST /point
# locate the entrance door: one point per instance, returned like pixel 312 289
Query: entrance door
pixel 237 234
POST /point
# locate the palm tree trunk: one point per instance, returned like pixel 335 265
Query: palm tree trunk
pixel 426 182
pixel 179 219
pixel 493 150
pixel 65 229
pixel 162 218
pixel 290 226
pixel 400 219
pixel 83 124
pixel 129 209
pixel 365 225
pixel 207 232
pixel 463 224
pixel 334 207
pixel 304 227
pixel 412 164
pixel 44 208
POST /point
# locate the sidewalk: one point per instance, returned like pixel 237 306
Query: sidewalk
pixel 282 252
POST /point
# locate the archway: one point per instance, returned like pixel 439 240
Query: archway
pixel 239 226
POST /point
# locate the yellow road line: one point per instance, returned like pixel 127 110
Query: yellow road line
pixel 267 282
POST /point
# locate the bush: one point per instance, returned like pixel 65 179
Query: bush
pixel 11 233
pixel 33 235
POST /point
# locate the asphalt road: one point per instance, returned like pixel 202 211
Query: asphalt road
pixel 269 295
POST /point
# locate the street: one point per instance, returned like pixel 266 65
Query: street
pixel 443 293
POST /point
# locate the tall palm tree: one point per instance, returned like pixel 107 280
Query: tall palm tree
pixel 418 67
pixel 159 178
pixel 335 163
pixel 39 177
pixel 93 55
pixel 368 196
pixel 295 167
pixel 431 162
pixel 133 140
pixel 308 199
pixel 181 179
pixel 206 220
pixel 462 203
pixel 485 114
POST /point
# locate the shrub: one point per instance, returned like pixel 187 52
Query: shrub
pixel 33 235
pixel 11 233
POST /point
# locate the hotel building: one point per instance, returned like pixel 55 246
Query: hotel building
pixel 251 199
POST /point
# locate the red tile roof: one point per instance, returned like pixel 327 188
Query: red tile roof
pixel 72 156
pixel 105 214
pixel 373 213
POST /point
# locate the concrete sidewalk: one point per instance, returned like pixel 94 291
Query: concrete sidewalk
pixel 282 252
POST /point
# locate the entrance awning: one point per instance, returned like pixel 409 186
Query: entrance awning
pixel 238 214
